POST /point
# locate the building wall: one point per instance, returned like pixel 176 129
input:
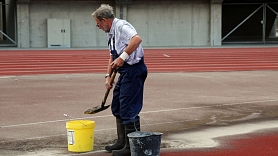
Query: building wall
pixel 170 23
pixel 23 28
pixel 83 31
pixel 159 23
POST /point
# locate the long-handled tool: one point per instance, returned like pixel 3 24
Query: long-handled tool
pixel 102 106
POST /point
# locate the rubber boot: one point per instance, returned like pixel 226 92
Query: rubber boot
pixel 121 137
pixel 128 129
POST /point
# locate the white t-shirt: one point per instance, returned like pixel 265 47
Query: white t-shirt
pixel 121 31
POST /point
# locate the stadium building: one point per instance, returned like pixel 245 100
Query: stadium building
pixel 161 23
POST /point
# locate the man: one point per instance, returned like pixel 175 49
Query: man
pixel 127 56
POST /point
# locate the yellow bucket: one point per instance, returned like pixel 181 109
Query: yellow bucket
pixel 80 135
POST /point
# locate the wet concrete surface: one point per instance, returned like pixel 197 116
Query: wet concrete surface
pixel 185 107
pixel 207 137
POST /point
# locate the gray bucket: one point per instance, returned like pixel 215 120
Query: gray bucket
pixel 144 143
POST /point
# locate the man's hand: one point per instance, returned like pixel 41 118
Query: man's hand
pixel 117 63
pixel 107 83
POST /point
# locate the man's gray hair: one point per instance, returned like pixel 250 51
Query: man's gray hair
pixel 104 11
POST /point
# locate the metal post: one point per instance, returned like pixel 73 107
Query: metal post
pixel 122 11
pixel 122 3
pixel 264 22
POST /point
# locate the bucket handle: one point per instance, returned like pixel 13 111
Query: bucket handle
pixel 146 124
pixel 66 115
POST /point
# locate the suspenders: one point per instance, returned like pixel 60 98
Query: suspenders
pixel 113 51
pixel 111 45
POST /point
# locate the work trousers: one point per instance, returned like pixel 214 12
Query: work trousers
pixel 127 99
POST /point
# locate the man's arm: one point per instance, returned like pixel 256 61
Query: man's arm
pixel 132 46
pixel 109 71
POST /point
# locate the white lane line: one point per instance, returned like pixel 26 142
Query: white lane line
pixel 53 121
pixel 6 77
pixel 147 112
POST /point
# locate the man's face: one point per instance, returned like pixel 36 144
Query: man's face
pixel 102 24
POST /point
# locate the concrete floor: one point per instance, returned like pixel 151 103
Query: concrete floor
pixel 33 107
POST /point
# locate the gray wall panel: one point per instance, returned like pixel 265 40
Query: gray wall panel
pixel 38 31
pixel 23 26
pixel 170 23
pixel 216 25
pixel 83 31
pixel 200 24
pixel 159 23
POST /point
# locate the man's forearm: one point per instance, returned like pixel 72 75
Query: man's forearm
pixel 133 44
pixel 109 68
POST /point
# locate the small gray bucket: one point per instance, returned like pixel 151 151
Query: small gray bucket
pixel 144 143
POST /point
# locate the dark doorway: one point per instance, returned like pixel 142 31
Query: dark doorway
pixel 7 23
pixel 250 23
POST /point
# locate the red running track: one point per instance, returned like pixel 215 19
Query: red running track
pixel 249 145
pixel 26 62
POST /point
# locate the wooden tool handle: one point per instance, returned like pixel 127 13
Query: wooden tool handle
pixel 108 90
